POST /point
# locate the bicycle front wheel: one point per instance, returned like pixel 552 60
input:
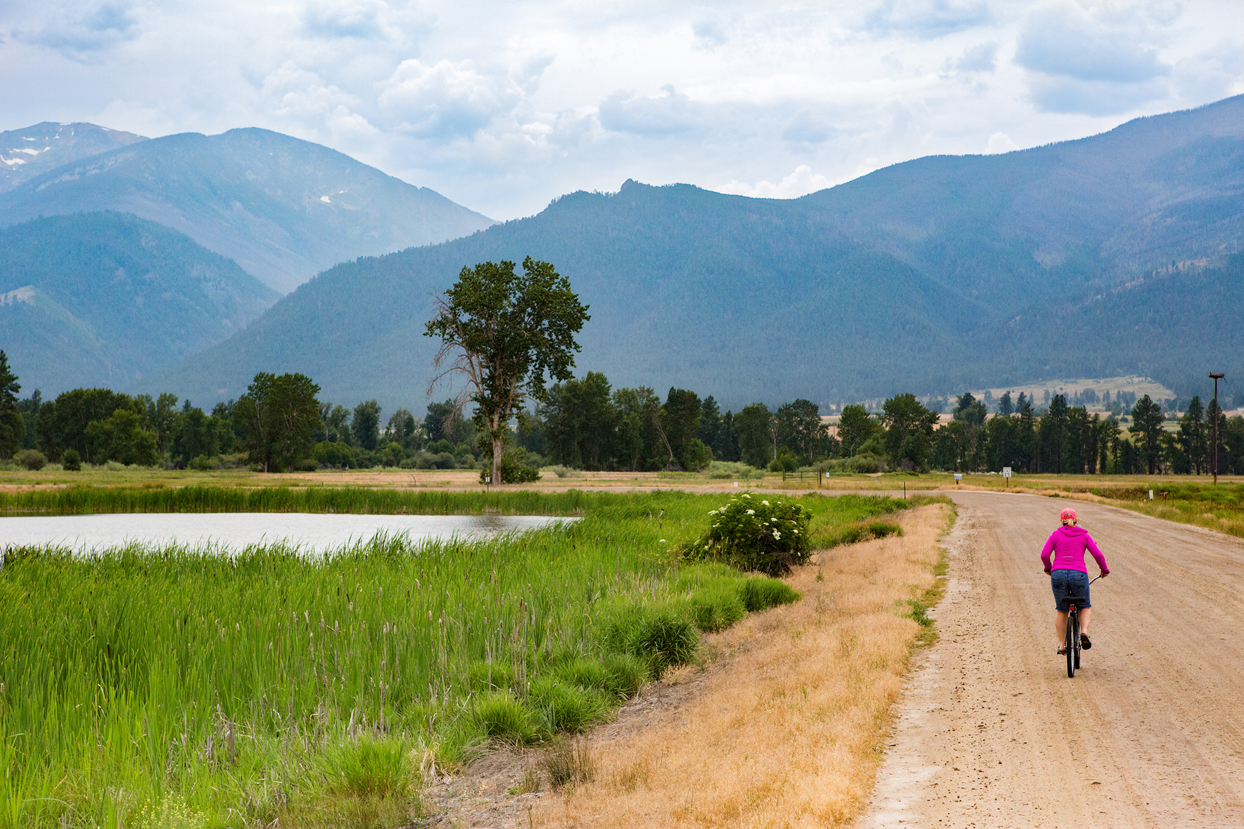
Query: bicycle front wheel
pixel 1071 642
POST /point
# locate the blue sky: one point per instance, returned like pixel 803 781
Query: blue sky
pixel 505 106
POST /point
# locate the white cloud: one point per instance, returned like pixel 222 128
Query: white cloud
pixel 978 58
pixel 926 18
pixel 1074 44
pixel 1095 60
pixel 345 18
pixel 81 32
pixel 446 99
pixel 324 111
pixel 662 114
pixel 1000 142
pixel 801 182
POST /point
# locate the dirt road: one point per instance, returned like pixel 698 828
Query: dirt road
pixel 1149 733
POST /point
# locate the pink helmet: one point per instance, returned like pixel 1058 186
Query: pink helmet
pixel 1067 515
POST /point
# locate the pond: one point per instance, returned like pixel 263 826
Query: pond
pixel 310 532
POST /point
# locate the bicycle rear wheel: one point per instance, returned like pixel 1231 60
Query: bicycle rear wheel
pixel 1071 642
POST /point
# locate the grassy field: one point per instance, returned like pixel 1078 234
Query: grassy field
pixel 1219 508
pixel 173 687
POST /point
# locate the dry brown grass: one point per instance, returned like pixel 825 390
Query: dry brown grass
pixel 787 730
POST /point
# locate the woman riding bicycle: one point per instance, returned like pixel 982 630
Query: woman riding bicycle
pixel 1068 575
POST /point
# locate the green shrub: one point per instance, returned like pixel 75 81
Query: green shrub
pixel 761 594
pixel 334 455
pixel 618 675
pixel 627 674
pixel 32 459
pixel 664 640
pixel 484 677
pixel 717 609
pixel 698 456
pixel 733 470
pixel 501 716
pixel 864 463
pixel 437 460
pixel 919 613
pixel 855 533
pixel 565 707
pixel 392 454
pixel 375 768
pixel 784 462
pixel 71 461
pixel 754 534
pixel 584 673
pixel 514 467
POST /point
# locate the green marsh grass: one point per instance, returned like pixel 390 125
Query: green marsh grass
pixel 1219 508
pixel 146 686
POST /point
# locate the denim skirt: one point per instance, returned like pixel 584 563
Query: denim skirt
pixel 1070 586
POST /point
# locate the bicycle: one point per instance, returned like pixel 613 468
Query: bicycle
pixel 1071 644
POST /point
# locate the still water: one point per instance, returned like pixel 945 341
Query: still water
pixel 312 533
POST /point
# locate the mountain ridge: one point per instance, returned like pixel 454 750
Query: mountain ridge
pixel 104 299
pixel 282 208
pixel 31 151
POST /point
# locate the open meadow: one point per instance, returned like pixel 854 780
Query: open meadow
pixel 172 686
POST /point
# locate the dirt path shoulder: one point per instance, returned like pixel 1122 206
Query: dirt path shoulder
pixel 1149 733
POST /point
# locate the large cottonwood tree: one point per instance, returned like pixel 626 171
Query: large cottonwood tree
pixel 505 332
pixel 278 417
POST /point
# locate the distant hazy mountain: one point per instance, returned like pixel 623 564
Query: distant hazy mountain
pixel 105 299
pixel 282 208
pixel 1094 257
pixel 1097 210
pixel 33 151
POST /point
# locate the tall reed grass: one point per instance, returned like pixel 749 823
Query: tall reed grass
pixel 159 686
pixel 89 500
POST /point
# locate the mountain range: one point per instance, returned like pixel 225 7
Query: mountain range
pixel 1097 257
pixel 1114 254
pixel 281 208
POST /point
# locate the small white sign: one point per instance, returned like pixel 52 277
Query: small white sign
pixel 1006 472
pixel 958 476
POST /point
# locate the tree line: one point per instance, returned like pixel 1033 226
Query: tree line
pixel 1070 439
pixel 584 423
pixel 278 425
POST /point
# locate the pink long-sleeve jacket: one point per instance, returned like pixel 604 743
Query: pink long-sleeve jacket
pixel 1068 545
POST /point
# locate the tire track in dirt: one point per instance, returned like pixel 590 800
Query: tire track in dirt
pixel 1150 732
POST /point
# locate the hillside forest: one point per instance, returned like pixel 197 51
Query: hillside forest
pixel 584 424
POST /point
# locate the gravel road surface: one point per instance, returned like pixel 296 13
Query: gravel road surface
pixel 1150 732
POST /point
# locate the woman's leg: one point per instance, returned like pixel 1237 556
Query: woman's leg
pixel 1085 614
pixel 1060 625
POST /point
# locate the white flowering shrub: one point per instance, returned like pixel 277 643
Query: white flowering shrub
pixel 755 533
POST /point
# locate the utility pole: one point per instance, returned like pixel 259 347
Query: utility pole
pixel 1214 458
